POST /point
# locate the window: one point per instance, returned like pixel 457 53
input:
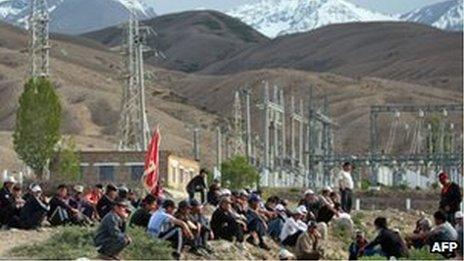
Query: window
pixel 106 173
pixel 136 172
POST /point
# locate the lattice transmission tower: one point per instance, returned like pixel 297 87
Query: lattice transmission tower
pixel 39 46
pixel 133 126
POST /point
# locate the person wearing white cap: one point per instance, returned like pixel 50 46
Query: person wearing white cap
pixel 35 210
pixel 5 195
pixel 307 245
pixel 293 227
pixel 276 224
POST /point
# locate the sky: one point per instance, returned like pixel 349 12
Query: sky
pixel 384 6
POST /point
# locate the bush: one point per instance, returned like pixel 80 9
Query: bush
pixel 365 184
pixel 76 242
pixel 237 173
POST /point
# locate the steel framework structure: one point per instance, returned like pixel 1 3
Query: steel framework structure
pixel 39 46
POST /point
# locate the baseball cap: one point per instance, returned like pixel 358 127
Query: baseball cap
pixel 36 188
pixel 194 203
pixel 254 198
pixel 120 202
pixel 458 215
pixel 301 210
pixel 312 223
pixel 79 188
pixel 10 179
pixel 309 192
pixel 184 204
pixel 279 207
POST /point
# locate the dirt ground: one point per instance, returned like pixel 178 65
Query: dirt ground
pixel 335 246
pixel 15 237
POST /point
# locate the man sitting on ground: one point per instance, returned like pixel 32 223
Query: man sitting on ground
pixel 35 210
pixel 60 210
pixel 5 195
pixel 165 226
pixel 294 227
pixel 142 216
pixel 391 242
pixel 183 213
pixel 202 221
pixel 13 210
pixel 78 202
pixel 276 224
pixel 356 247
pixel 224 223
pixel 110 238
pixel 307 244
pixel 105 203
pixel 256 224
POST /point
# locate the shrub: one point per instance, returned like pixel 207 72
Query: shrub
pixel 238 173
pixel 76 242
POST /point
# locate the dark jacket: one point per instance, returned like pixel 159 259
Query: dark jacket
pixel 56 202
pixel 141 217
pixel 104 205
pixel 451 196
pixel 224 226
pixel 255 222
pixel 110 232
pixel 33 213
pixel 391 243
pixel 196 183
pixel 5 196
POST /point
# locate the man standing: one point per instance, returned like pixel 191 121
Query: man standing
pixel 165 226
pixel 346 185
pixel 110 238
pixel 197 184
pixel 450 197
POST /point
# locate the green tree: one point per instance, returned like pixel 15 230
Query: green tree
pixel 238 173
pixel 69 162
pixel 38 121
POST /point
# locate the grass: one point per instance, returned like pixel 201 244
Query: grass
pixel 77 242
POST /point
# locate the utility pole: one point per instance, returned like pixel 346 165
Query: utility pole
pixel 248 140
pixel 196 144
pixel 133 128
pixel 218 148
pixel 266 135
pixel 238 130
pixel 39 49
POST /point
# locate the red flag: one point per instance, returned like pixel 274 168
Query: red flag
pixel 150 174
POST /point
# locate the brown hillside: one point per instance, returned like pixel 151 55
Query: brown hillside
pixel 191 40
pixel 88 81
pixel 397 51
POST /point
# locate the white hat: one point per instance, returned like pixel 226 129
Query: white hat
pixel 79 188
pixel 328 188
pixel 301 210
pixel 309 192
pixel 285 254
pixel 10 179
pixel 458 215
pixel 226 192
pixel 36 188
pixel 279 207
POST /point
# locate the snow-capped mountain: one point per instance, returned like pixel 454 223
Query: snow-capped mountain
pixel 279 17
pixel 446 15
pixel 77 16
